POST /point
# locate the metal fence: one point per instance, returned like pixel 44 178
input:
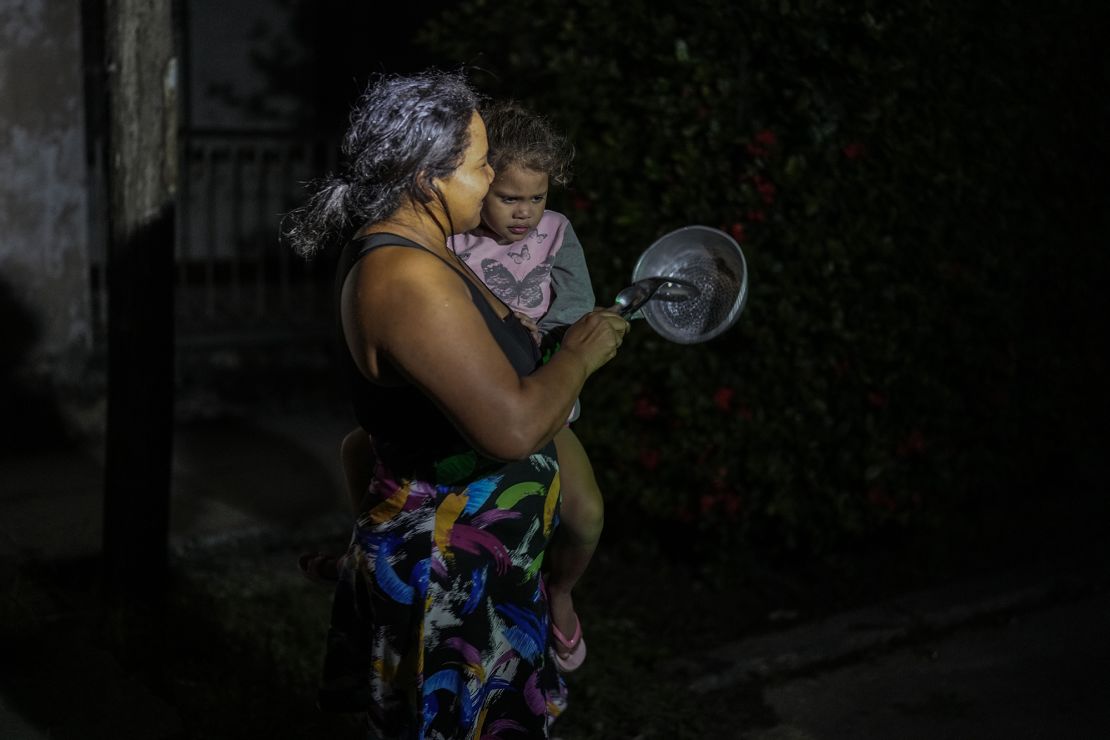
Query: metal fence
pixel 237 281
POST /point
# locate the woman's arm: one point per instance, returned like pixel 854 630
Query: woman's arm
pixel 407 309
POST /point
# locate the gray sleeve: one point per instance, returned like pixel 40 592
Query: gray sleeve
pixel 572 293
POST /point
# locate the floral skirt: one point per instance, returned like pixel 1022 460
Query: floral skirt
pixel 440 622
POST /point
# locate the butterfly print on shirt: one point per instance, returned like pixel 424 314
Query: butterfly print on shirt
pixel 526 292
pixel 522 255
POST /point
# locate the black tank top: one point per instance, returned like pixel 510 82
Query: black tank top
pixel 409 431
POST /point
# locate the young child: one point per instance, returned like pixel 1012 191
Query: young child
pixel 532 260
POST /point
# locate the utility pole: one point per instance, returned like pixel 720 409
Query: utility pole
pixel 141 94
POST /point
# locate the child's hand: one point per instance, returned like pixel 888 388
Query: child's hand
pixel 530 325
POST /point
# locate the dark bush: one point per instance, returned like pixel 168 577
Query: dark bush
pixel 916 187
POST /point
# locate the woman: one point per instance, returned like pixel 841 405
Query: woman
pixel 440 622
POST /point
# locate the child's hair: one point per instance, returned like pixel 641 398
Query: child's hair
pixel 517 136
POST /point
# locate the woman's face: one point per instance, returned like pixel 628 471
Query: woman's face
pixel 466 187
pixel 515 203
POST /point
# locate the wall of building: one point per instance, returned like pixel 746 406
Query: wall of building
pixel 44 229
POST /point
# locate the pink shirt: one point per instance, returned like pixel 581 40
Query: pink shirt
pixel 518 273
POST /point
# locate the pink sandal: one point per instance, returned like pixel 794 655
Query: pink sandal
pixel 575 645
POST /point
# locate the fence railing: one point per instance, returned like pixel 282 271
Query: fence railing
pixel 237 281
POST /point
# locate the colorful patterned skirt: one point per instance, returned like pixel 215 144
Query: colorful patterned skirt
pixel 440 621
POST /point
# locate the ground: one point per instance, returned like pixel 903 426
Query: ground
pixel 234 650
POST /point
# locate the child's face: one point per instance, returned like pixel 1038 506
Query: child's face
pixel 515 203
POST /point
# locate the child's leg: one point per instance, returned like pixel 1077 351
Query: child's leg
pixel 358 466
pixel 357 457
pixel 580 522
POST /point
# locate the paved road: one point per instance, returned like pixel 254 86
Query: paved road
pixel 1038 674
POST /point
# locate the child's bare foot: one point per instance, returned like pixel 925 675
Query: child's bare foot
pixel 570 648
pixel 320 567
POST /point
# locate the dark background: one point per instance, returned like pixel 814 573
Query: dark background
pixel 915 392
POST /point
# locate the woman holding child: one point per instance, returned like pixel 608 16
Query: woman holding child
pixel 440 624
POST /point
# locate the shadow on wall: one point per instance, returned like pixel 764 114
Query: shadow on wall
pixel 32 419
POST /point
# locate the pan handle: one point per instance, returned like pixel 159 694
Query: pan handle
pixel 632 298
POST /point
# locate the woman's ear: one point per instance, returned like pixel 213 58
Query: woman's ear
pixel 426 187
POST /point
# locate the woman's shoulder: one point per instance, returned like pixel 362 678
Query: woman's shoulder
pixel 405 270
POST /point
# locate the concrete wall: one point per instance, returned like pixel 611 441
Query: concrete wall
pixel 44 229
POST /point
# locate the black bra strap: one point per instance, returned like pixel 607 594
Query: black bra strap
pixel 369 243
pixel 382 239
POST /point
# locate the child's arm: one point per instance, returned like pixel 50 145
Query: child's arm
pixel 572 293
pixel 530 325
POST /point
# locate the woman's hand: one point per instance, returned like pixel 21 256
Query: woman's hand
pixel 407 317
pixel 595 337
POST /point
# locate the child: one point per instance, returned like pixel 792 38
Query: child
pixel 531 259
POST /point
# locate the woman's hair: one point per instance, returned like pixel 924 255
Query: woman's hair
pixel 406 131
pixel 517 136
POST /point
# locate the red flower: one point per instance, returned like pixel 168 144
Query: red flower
pixel 730 502
pixel 582 203
pixel 733 503
pixel 879 498
pixel 954 270
pixel 766 190
pixel 649 459
pixel 645 409
pixel 766 137
pixel 854 150
pixel 744 412
pixel 916 441
pixel 757 216
pixel 913 444
pixel 762 143
pixel 722 398
pixel 737 231
pixel 877 399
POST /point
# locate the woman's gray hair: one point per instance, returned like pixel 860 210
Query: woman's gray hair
pixel 406 131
